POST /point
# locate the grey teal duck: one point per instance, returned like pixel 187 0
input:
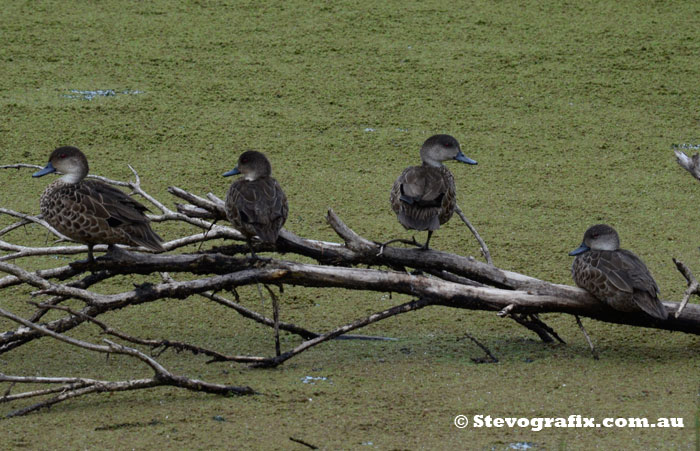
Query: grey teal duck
pixel 613 275
pixel 424 197
pixel 90 211
pixel 256 203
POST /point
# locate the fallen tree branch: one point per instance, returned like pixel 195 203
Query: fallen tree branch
pixel 535 297
pixel 163 345
pixel 435 279
pixel 74 387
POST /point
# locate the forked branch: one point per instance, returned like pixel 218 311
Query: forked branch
pixel 74 387
pixel 436 278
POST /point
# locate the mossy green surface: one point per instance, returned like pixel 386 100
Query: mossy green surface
pixel 570 109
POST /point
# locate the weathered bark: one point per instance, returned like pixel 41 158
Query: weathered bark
pixel 436 279
pixel 77 386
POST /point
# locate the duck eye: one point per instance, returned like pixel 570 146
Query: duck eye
pixel 63 155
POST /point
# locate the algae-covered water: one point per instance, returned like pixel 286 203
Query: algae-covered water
pixel 570 108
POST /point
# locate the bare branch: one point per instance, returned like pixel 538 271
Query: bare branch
pixel 588 338
pixel 34 219
pixel 275 319
pixel 403 308
pixel 691 165
pixel 432 277
pixel 80 386
pixel 14 226
pixel 693 287
pixel 155 344
pixel 484 250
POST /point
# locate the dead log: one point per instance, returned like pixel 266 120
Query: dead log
pixel 436 278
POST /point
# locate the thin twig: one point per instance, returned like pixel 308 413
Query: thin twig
pixel 693 286
pixel 588 339
pixel 484 248
pixel 276 319
pixel 483 347
pixel 155 344
pixel 85 386
pixel 302 442
pixel 287 327
pixel 14 226
pixel 34 219
pixel 533 322
pixel 397 310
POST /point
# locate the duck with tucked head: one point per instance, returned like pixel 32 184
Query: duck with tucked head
pixel 615 276
pixel 424 197
pixel 255 203
pixel 90 211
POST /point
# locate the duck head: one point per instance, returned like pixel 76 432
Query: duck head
pixel 600 237
pixel 252 164
pixel 68 160
pixel 439 148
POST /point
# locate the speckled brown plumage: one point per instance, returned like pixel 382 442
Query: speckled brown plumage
pixel 256 204
pixel 424 197
pixel 615 276
pixel 90 211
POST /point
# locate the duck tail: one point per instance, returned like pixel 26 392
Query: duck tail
pixel 417 220
pixel 652 306
pixel 146 237
pixel 267 234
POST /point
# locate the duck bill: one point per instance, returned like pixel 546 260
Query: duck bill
pixel 48 169
pixel 464 159
pixel 580 250
pixel 233 171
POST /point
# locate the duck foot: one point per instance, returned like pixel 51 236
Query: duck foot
pixel 79 264
pixel 114 252
pixel 252 250
pixel 86 261
pixel 411 242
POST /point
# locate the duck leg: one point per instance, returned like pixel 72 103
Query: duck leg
pixel 90 257
pixel 425 246
pixel 250 246
pixel 86 261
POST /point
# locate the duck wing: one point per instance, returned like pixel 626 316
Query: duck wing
pixel 419 197
pixel 259 207
pixel 623 271
pixel 113 214
pixel 421 186
pixel 110 203
pixel 646 291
